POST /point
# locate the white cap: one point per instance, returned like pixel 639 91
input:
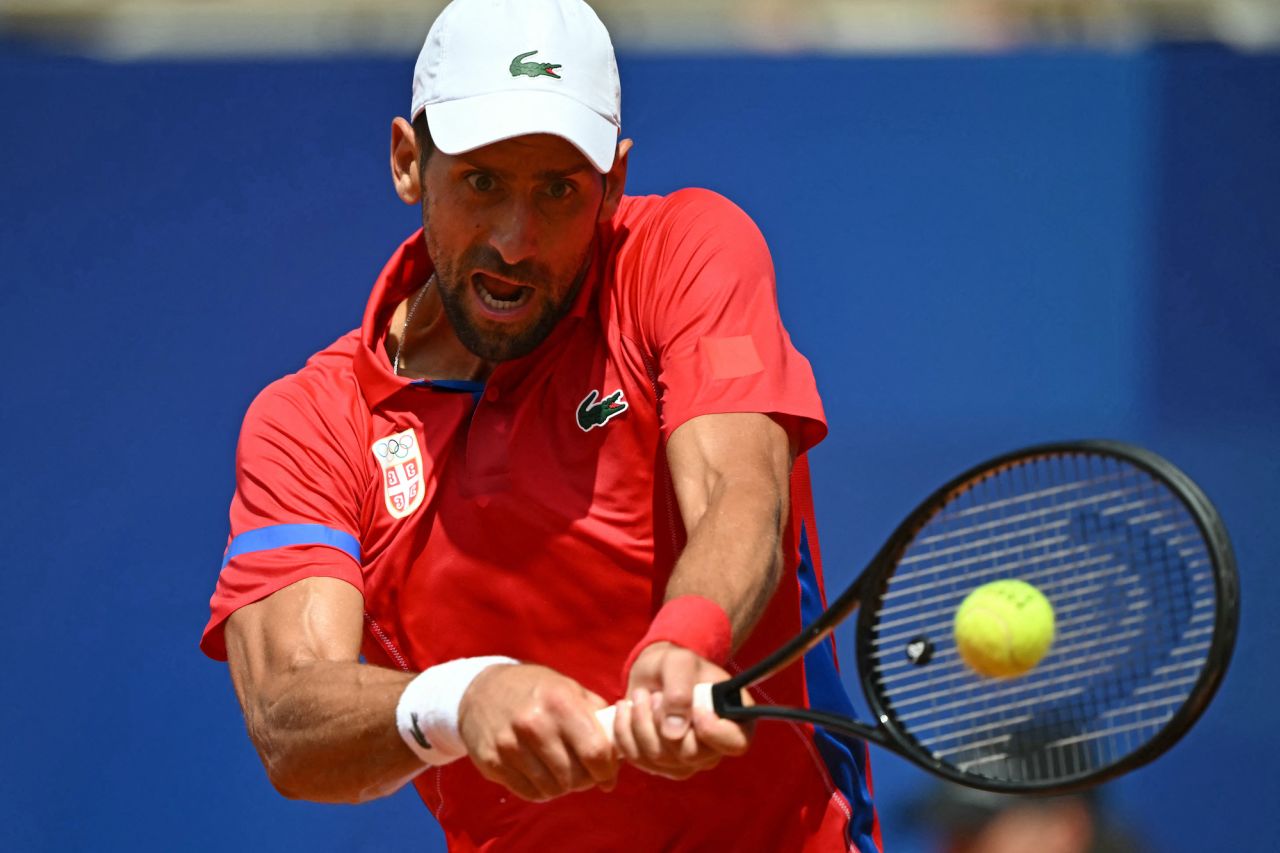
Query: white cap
pixel 495 69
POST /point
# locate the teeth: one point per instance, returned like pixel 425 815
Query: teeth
pixel 503 304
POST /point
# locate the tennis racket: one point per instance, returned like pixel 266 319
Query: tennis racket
pixel 1138 567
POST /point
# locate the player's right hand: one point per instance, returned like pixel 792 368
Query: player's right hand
pixel 658 729
pixel 534 731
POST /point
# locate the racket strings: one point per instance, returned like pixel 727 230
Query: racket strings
pixel 1123 562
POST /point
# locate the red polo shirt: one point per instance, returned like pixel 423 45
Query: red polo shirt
pixel 533 516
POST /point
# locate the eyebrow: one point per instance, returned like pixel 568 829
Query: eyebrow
pixel 545 174
pixel 562 173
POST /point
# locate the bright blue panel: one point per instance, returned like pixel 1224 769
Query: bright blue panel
pixel 974 252
pixel 284 535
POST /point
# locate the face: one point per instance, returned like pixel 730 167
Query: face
pixel 510 228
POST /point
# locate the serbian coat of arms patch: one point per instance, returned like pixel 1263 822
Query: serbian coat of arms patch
pixel 401 463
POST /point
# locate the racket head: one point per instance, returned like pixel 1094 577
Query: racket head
pixel 1138 566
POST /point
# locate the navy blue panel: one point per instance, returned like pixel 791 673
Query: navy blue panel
pixel 846 757
pixel 457 385
pixel 453 385
pixel 284 535
pixel 1217 240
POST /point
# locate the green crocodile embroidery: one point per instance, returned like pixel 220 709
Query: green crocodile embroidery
pixel 593 414
pixel 532 69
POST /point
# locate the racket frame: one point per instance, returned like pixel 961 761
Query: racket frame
pixel 866 590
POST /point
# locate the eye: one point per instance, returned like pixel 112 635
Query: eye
pixel 482 182
pixel 560 189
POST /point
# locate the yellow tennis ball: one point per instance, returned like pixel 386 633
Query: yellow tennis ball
pixel 1004 628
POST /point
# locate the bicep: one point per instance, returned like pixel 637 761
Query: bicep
pixel 315 619
pixel 710 454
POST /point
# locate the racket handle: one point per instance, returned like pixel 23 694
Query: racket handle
pixel 701 699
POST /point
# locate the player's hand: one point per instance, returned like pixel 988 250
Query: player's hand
pixel 657 728
pixel 534 731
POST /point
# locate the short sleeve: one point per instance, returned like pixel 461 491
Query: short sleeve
pixel 296 507
pixel 713 320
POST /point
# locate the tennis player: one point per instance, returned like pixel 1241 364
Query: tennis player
pixel 559 465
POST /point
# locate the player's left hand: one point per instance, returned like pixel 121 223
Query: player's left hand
pixel 657 728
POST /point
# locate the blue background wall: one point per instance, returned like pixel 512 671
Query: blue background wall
pixel 974 252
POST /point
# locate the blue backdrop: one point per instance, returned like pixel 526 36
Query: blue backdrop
pixel 974 252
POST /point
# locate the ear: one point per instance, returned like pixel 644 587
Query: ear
pixel 405 176
pixel 615 181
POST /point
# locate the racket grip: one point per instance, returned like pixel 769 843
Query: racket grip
pixel 701 699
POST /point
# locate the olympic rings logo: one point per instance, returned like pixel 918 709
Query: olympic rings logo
pixel 397 446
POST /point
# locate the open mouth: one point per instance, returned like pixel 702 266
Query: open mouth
pixel 499 294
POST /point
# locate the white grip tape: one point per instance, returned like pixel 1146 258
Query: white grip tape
pixel 701 699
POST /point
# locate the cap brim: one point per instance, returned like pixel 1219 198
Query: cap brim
pixel 469 123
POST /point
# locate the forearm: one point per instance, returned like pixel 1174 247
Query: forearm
pixel 327 732
pixel 733 558
pixel 331 729
pixel 731 475
pixel 734 551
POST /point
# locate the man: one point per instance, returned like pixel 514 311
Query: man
pixel 552 469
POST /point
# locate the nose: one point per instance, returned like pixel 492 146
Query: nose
pixel 515 233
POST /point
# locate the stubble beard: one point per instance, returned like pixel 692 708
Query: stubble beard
pixel 495 344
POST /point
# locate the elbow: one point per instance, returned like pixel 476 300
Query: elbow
pixel 286 786
pixel 300 771
pixel 292 789
pixel 285 770
pixel 298 783
pixel 297 775
pixel 294 786
pixel 282 772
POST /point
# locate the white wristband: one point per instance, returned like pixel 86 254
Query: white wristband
pixel 427 714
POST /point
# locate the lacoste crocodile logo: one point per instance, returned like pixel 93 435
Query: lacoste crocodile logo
pixel 592 414
pixel 532 69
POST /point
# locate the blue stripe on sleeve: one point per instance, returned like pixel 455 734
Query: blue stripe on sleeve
pixel 284 535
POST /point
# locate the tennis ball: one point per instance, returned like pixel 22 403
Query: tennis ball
pixel 1004 628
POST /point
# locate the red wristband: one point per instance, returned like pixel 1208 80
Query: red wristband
pixel 693 622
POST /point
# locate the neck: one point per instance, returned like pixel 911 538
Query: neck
pixel 429 348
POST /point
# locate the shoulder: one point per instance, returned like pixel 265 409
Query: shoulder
pixel 679 235
pixel 700 202
pixel 318 404
pixel 301 454
pixel 691 214
pixel 679 255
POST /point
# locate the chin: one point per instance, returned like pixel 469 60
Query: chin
pixel 497 343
